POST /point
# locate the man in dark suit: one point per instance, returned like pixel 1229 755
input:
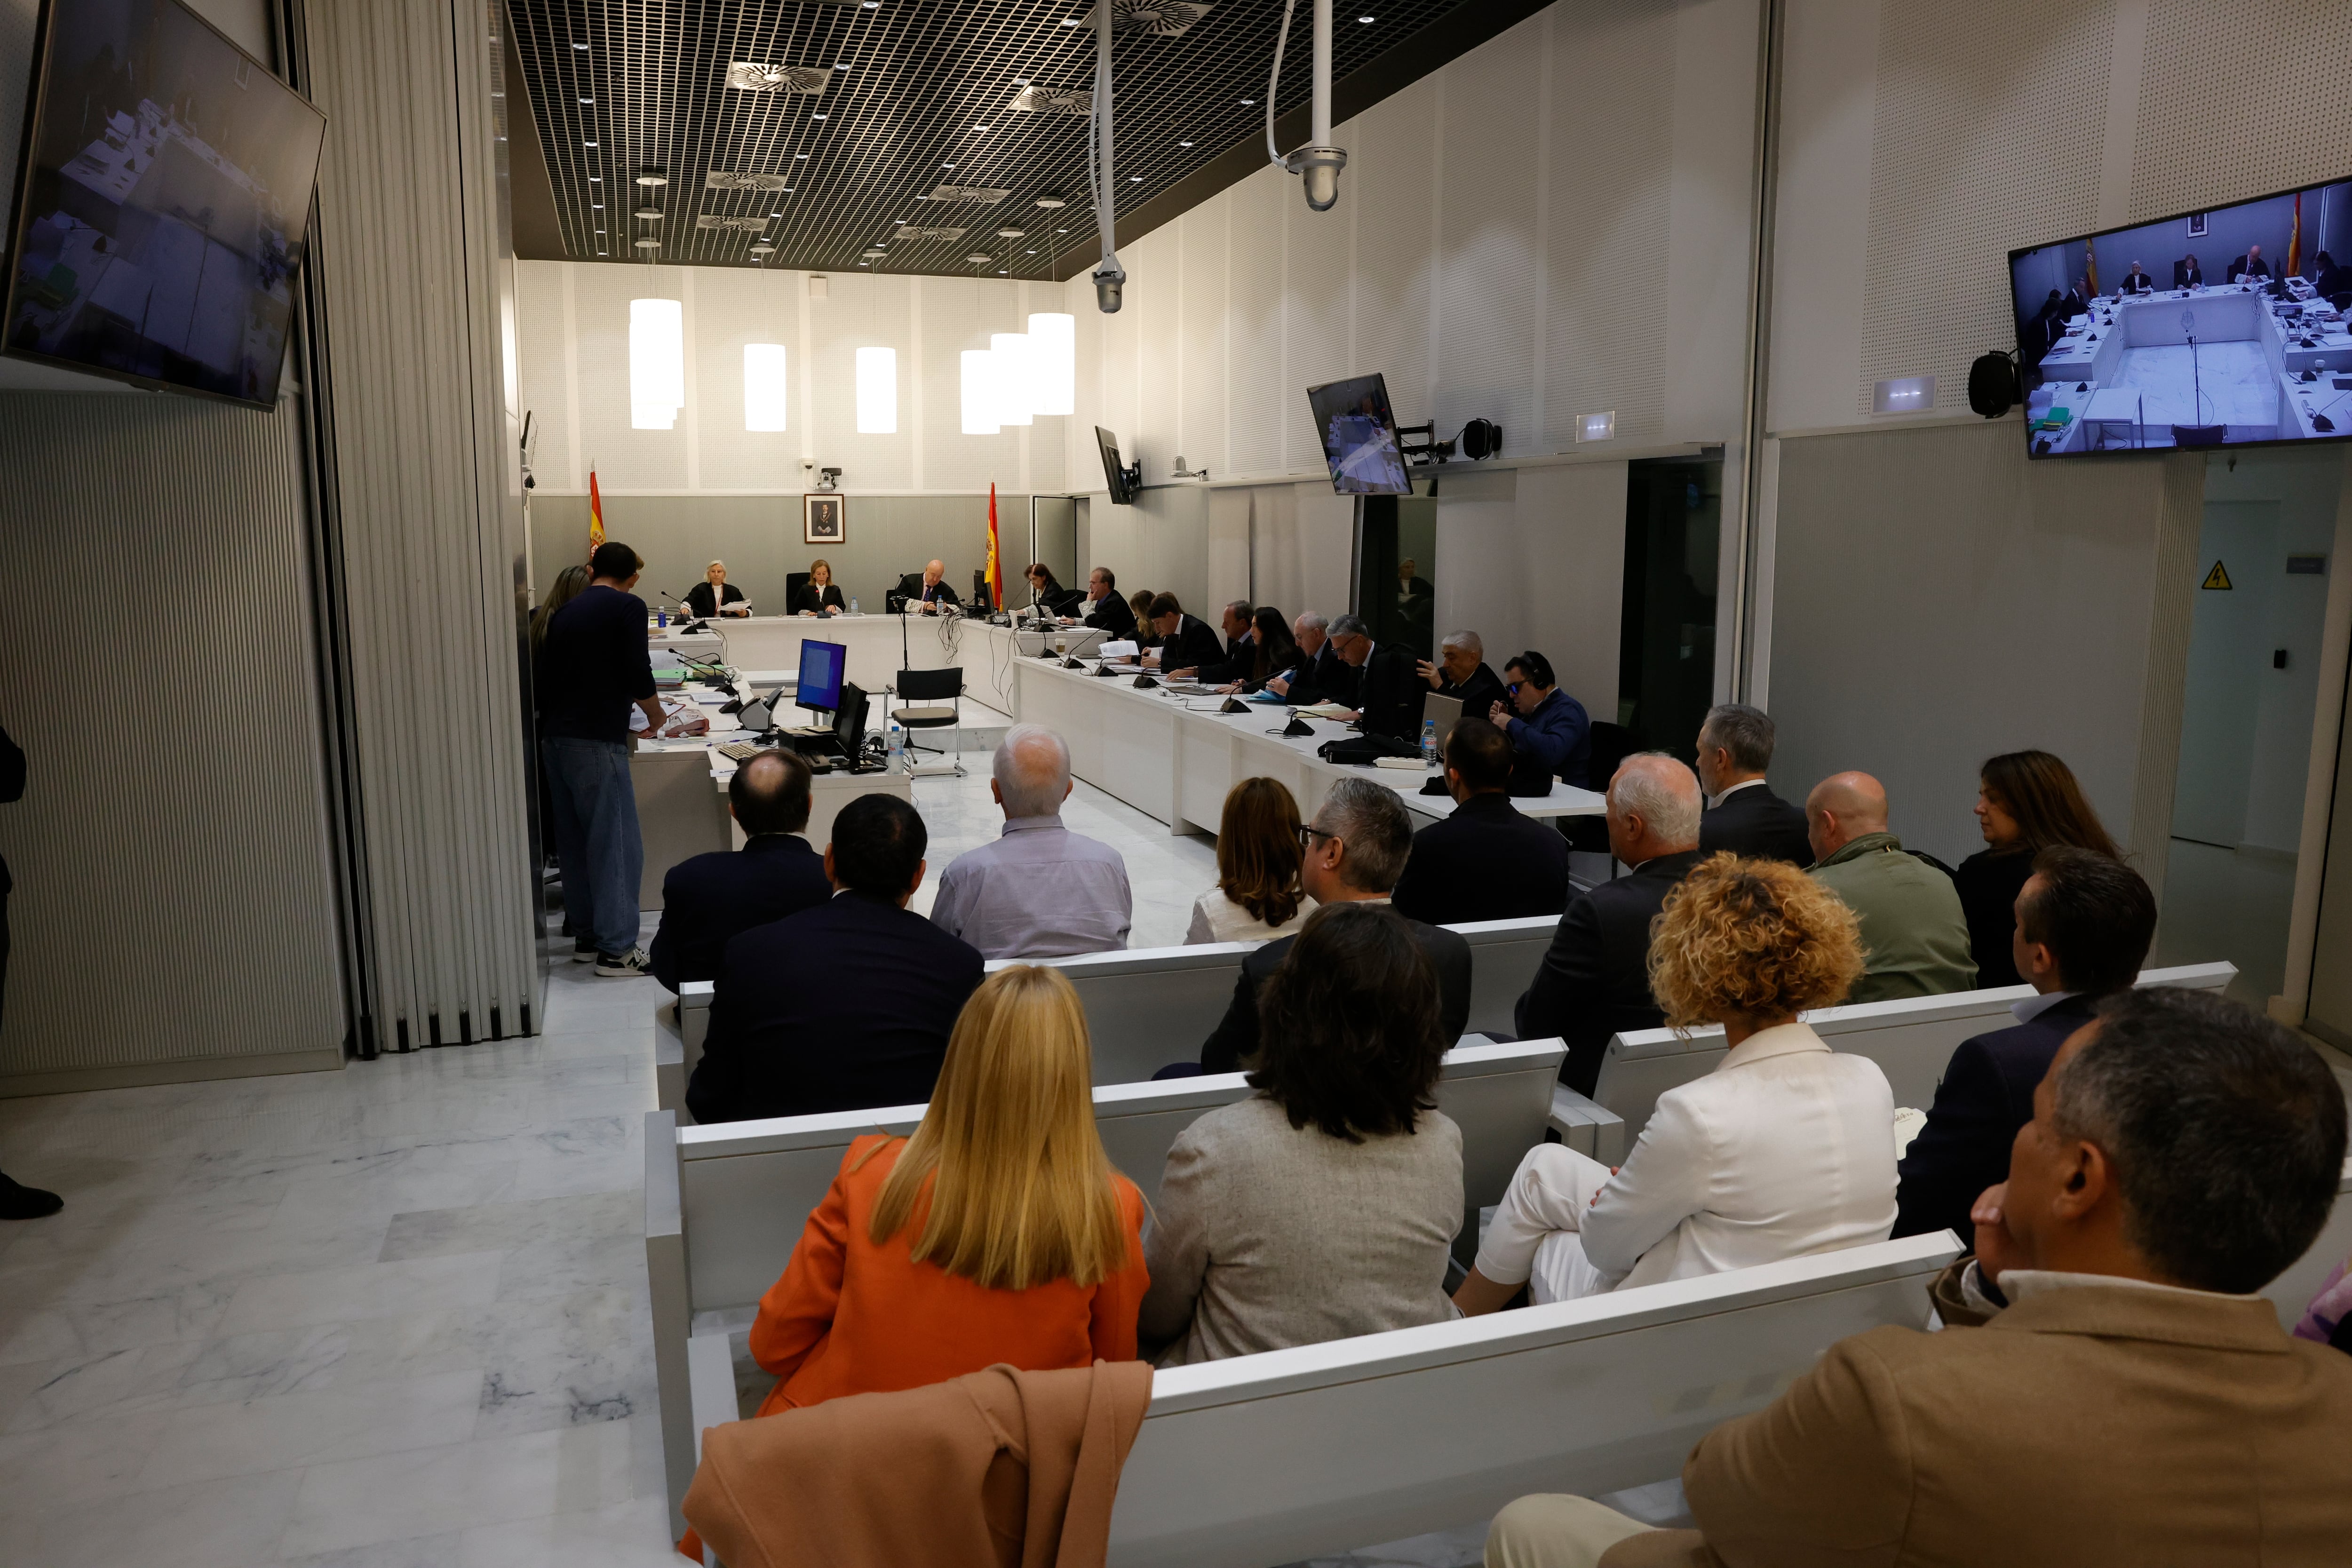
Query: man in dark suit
pixel 1185 641
pixel 1743 814
pixel 1462 674
pixel 1322 675
pixel 1486 862
pixel 1595 978
pixel 2083 925
pixel 709 899
pixel 1239 656
pixel 845 1007
pixel 1551 737
pixel 1387 693
pixel 2136 281
pixel 1355 851
pixel 929 593
pixel 2250 265
pixel 1105 609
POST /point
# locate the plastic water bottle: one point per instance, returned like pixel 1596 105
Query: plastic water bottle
pixel 898 745
pixel 1429 741
pixel 853 604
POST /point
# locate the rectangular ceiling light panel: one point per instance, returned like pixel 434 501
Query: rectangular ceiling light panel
pixel 1052 101
pixel 915 231
pixel 990 195
pixel 749 76
pixel 729 180
pixel 735 225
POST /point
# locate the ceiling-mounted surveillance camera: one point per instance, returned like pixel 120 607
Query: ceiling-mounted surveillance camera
pixel 1109 278
pixel 529 480
pixel 827 478
pixel 1318 162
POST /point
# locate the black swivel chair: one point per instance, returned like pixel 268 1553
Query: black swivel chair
pixel 792 584
pixel 929 688
pixel 1612 744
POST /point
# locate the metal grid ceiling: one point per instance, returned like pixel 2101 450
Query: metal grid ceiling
pixel 620 85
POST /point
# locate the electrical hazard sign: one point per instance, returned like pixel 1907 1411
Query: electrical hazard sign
pixel 2218 578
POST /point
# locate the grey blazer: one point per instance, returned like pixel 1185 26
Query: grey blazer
pixel 1267 1235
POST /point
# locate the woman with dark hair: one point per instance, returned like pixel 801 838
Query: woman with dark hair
pixel 1048 593
pixel 1322 1206
pixel 1277 651
pixel 2026 802
pixel 1257 897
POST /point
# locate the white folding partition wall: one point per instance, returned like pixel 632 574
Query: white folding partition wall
pixel 415 268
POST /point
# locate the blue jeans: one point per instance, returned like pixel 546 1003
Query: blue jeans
pixel 596 837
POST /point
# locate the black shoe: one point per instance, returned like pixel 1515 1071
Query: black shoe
pixel 20 1202
pixel 584 951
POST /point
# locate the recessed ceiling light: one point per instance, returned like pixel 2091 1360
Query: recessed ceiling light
pixel 842 67
pixel 1000 272
pixel 775 214
pixel 596 179
pixel 1135 179
pixel 788 191
pixel 980 130
pixel 587 100
pixel 871 4
pixel 1183 143
pixel 1074 21
pixel 816 117
pixel 1061 231
pixel 949 166
pixel 1367 20
pixel 1021 81
pixel 1028 253
pixel 598 205
pixel 865 264
pixel 587 144
pixel 801 156
pixel 580 46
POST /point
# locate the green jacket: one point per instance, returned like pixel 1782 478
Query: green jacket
pixel 1914 934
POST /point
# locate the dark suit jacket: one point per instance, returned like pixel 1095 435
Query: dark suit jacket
pixel 1754 821
pixel 1389 690
pixel 706 603
pixel 1477 695
pixel 710 899
pixel 1986 1096
pixel 1595 979
pixel 12 788
pixel 811 598
pixel 1327 678
pixel 841 1007
pixel 2241 267
pixel 1486 862
pixel 1239 659
pixel 2183 275
pixel 1193 645
pixel 1988 883
pixel 1112 614
pixel 1235 1043
pixel 2138 283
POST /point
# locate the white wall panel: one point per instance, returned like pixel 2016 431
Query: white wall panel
pixel 733 308
pixel 622 457
pixel 1201 428
pixel 543 350
pixel 1158 335
pixel 1829 95
pixel 1393 177
pixel 1489 251
pixel 1258 381
pixel 1536 558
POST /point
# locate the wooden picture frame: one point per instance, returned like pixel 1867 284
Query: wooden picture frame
pixel 824 517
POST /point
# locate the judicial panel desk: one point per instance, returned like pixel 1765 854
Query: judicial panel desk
pixel 1169 754
pixel 2134 374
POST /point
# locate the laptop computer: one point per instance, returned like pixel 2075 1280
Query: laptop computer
pixel 1445 710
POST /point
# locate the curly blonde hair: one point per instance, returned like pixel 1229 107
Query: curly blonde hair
pixel 1750 939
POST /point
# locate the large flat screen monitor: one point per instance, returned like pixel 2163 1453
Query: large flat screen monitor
pixel 2222 328
pixel 1358 429
pixel 162 202
pixel 821 664
pixel 1115 474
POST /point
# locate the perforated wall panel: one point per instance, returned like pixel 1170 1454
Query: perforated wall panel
pixel 2239 99
pixel 1202 326
pixel 1393 166
pixel 1990 132
pixel 1256 372
pixel 1488 237
pixel 1158 386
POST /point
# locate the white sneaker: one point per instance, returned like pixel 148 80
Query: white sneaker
pixel 633 962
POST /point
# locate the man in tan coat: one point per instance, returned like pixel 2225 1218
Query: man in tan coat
pixel 2128 1399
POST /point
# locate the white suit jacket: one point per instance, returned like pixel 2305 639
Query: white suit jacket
pixel 1786 1148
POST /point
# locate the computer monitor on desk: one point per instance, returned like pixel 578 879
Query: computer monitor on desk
pixel 822 667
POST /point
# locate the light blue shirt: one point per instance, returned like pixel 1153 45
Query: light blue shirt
pixel 1039 891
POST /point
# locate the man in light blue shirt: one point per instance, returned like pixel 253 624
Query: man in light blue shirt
pixel 1040 891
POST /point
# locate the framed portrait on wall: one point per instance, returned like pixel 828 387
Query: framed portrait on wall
pixel 822 519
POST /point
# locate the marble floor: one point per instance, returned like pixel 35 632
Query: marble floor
pixel 2230 383
pixel 380 1318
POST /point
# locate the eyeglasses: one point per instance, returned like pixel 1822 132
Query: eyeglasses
pixel 1307 836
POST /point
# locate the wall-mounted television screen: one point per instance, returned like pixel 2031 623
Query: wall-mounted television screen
pixel 1358 429
pixel 1115 474
pixel 2222 328
pixel 163 202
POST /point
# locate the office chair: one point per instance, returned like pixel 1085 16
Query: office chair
pixel 928 686
pixel 792 581
pixel 1612 744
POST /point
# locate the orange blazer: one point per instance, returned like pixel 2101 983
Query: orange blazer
pixel 850 1316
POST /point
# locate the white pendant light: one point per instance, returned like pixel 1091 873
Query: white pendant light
pixel 656 363
pixel 1015 383
pixel 763 386
pixel 1052 362
pixel 877 392
pixel 980 393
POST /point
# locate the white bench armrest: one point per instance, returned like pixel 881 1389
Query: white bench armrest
pixel 710 1378
pixel 1586 1127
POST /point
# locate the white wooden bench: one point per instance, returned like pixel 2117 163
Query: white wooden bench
pixel 725 1204
pixel 680 1028
pixel 1294 1453
pixel 1912 1040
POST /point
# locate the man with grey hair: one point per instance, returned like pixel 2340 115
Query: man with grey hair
pixel 1462 674
pixel 1040 891
pixel 1241 648
pixel 1595 978
pixel 1356 850
pixel 1322 675
pixel 1743 814
pixel 1388 696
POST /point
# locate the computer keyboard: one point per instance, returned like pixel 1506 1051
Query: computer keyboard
pixel 743 751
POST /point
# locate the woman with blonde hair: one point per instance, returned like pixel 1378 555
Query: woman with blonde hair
pixel 567 586
pixel 998 1232
pixel 1785 1149
pixel 715 596
pixel 820 595
pixel 1257 897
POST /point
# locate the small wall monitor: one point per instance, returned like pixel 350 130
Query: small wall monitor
pixel 1120 477
pixel 1359 432
pixel 163 204
pixel 821 664
pixel 2221 328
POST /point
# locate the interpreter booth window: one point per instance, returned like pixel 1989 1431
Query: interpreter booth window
pixel 1396 570
pixel 1054 538
pixel 1666 664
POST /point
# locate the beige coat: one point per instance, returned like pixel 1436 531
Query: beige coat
pixel 2093 1427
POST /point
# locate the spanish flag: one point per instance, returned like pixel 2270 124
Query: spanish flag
pixel 995 566
pixel 595 515
pixel 2294 241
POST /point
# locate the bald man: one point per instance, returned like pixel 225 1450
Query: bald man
pixel 936 592
pixel 1595 978
pixel 1915 936
pixel 1039 890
